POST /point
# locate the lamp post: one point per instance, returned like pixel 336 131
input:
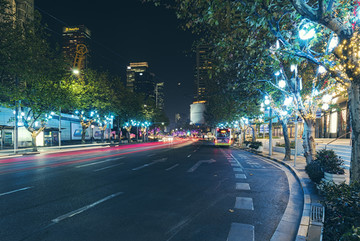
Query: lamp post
pixel 59 133
pixel 294 69
pixel 16 130
pixel 267 103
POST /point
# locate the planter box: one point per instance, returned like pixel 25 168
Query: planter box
pixel 336 178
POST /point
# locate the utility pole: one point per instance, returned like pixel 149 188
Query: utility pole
pixel 16 129
pixel 270 132
pixel 59 135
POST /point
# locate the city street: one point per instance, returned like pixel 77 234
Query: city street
pixel 164 191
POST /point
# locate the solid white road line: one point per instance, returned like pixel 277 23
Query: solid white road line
pixel 168 169
pixel 80 210
pixel 241 232
pixel 108 167
pixel 242 186
pixel 151 155
pixel 17 190
pixel 149 164
pixel 238 169
pixel 244 203
pixel 240 176
pixel 95 163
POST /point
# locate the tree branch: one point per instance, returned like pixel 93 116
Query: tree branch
pixel 305 10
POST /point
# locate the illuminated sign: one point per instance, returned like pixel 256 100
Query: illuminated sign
pixel 71 29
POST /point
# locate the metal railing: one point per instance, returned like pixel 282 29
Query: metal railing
pixel 336 139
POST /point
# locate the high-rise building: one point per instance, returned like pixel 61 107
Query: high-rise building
pixel 24 10
pixel 203 65
pixel 74 40
pixel 140 80
pixel 159 95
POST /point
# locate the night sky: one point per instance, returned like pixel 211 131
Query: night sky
pixel 129 31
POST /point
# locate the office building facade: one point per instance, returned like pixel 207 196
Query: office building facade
pixel 203 66
pixel 74 40
pixel 140 80
pixel 159 95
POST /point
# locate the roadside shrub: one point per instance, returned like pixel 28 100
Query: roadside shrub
pixel 292 145
pixel 255 144
pixel 352 235
pixel 329 161
pixel 314 171
pixel 342 211
pixel 247 142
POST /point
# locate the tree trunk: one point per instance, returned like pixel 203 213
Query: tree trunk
pixel 83 134
pixel 102 135
pixel 287 156
pixel 309 139
pixel 354 107
pixel 253 134
pixel 33 141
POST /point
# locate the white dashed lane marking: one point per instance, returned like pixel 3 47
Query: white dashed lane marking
pixel 172 167
pixel 240 176
pixel 83 209
pixel 235 165
pixel 237 169
pixel 244 203
pixel 241 232
pixel 242 186
pixel 18 190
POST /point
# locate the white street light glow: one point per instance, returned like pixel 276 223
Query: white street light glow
pixel 277 73
pixel 333 43
pixel 325 106
pixel 322 69
pixel 288 101
pixel 307 31
pixel 76 71
pixel 282 84
pixel 326 98
pixel 267 102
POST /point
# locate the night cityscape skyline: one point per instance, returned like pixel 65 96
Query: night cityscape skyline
pixel 153 35
pixel 115 124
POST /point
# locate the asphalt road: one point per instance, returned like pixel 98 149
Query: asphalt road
pixel 181 191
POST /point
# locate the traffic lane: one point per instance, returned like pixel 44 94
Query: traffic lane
pixel 160 206
pixel 52 195
pixel 268 191
pixel 78 173
pixel 167 206
pixel 256 169
pixel 35 169
pixel 65 158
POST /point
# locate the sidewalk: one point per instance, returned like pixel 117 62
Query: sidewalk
pixel 307 230
pixel 5 153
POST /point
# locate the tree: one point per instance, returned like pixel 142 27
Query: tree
pixel 92 99
pixel 329 19
pixel 30 71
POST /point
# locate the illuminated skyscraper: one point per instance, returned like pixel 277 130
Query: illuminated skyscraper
pixel 140 80
pixel 203 65
pixel 159 95
pixel 72 38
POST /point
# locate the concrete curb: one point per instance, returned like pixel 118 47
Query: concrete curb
pixel 305 219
